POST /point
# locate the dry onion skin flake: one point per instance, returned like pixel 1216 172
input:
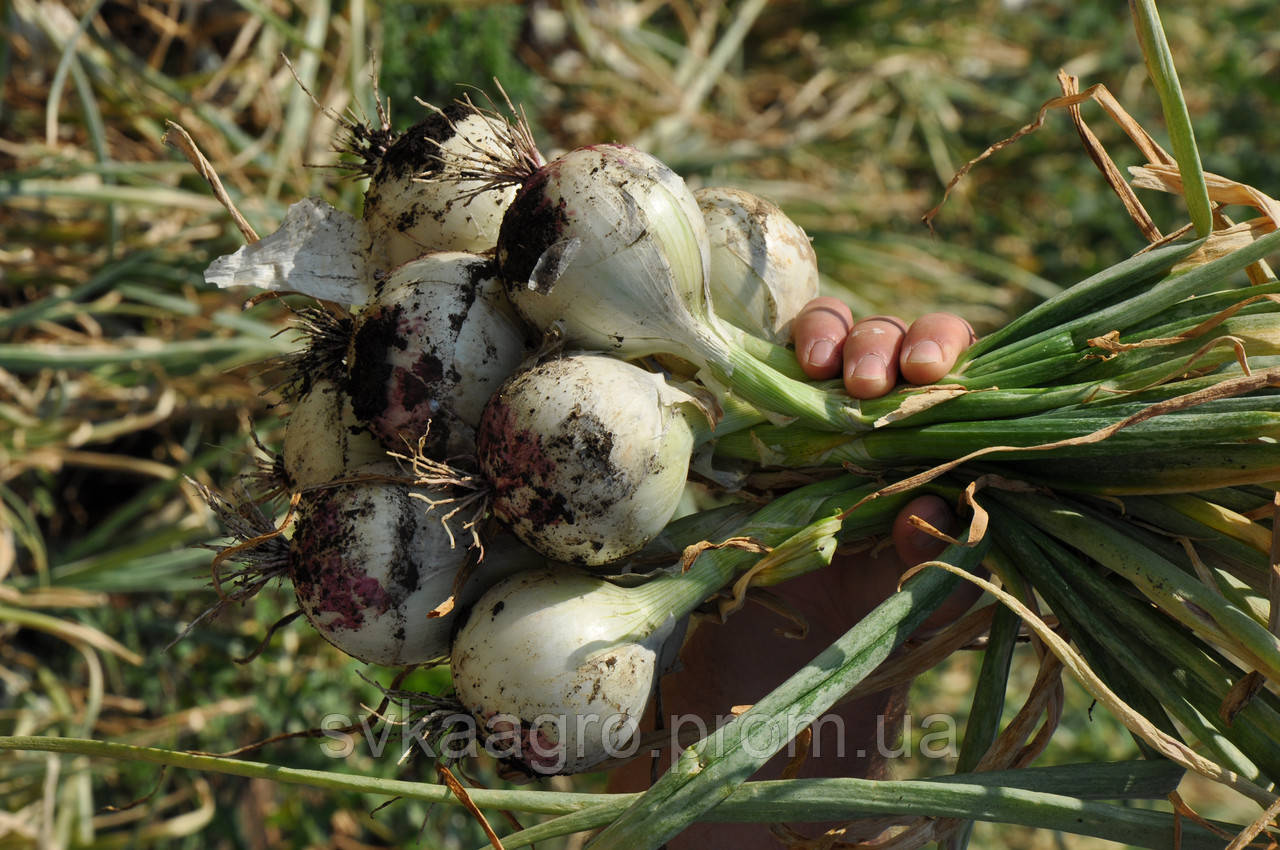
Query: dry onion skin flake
pixel 316 251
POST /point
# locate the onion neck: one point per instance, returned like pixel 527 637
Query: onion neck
pixel 773 392
pixel 674 595
pixel 775 356
pixel 804 515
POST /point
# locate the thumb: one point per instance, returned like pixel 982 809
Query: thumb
pixel 914 545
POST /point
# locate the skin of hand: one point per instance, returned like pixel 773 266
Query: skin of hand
pixel 739 661
pixel 873 354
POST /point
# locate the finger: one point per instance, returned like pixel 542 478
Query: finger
pixel 911 543
pixel 871 356
pixel 819 331
pixel 915 546
pixel 933 343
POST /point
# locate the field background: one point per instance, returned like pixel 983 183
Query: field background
pixel 121 373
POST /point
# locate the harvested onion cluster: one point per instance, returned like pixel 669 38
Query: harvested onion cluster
pixel 547 391
pixel 478 368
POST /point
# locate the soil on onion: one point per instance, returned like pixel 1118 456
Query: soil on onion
pixel 531 228
pixel 415 151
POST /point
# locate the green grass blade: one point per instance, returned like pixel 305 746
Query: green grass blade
pixel 191 353
pixel 1155 49
pixel 1065 794
pixel 708 771
pixel 983 725
pixel 104 279
pixel 163 561
pixel 537 802
pixel 65 62
pixel 299 114
pixel 996 796
pixel 1077 300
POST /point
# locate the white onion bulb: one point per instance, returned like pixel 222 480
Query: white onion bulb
pixel 323 440
pixel 368 563
pixel 414 205
pixel 763 268
pixel 607 244
pixel 558 666
pixel 587 456
pixel 428 351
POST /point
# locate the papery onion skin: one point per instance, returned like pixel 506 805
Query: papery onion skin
pixel 763 267
pixel 368 564
pixel 429 350
pixel 547 664
pixel 607 244
pixel 318 251
pixel 414 207
pixel 587 456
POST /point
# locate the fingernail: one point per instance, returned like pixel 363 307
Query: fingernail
pixel 820 352
pixel 924 353
pixel 871 368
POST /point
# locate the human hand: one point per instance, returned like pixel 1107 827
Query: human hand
pixel 872 354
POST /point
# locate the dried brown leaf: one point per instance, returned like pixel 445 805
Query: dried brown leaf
pixel 1222 190
pixel 1110 341
pixel 177 137
pixel 694 550
pixel 1097 92
pixel 1241 693
pixel 1110 171
pixel 920 400
pixel 1227 240
pixel 452 783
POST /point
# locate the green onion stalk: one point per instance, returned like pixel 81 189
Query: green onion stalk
pixel 1153 384
pixel 557 666
pixel 1165 367
pixel 1129 465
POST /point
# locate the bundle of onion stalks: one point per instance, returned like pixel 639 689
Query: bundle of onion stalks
pixel 539 355
pixel 1119 443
